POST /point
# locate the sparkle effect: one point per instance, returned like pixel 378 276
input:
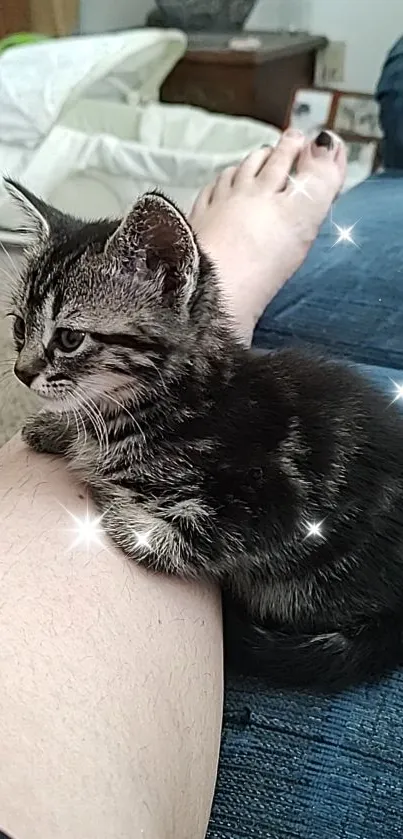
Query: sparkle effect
pixel 314 529
pixel 399 391
pixel 143 538
pixel 87 530
pixel 344 234
pixel 299 186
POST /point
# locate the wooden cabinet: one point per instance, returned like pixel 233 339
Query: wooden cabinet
pixel 15 16
pixel 254 82
pixel 45 17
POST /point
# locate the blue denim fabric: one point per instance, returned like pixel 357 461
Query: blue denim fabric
pixel 349 299
pixel 300 766
pixel 294 765
pixel 390 98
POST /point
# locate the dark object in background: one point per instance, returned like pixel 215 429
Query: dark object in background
pixel 389 95
pixel 201 15
pixel 257 82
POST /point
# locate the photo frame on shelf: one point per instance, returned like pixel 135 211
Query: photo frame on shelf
pixel 310 110
pixel 352 115
pixel 361 152
pixel 357 114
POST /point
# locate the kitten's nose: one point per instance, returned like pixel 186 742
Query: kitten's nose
pixel 26 375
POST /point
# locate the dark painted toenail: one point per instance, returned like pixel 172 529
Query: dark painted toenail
pixel 324 140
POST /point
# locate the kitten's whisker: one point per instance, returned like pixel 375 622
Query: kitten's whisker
pixel 79 416
pixel 101 424
pixel 96 419
pixel 87 413
pixel 74 412
pixel 7 274
pixel 12 263
pixel 6 384
pixel 6 302
pixel 85 433
pixel 107 395
pixel 66 413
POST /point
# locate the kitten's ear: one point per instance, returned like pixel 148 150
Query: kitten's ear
pixel 155 238
pixel 37 212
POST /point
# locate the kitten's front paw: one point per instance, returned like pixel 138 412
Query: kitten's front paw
pixel 135 541
pixel 46 434
pixel 145 538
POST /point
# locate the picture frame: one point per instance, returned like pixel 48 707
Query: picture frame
pixel 357 114
pixel 359 152
pixel 350 114
pixel 310 110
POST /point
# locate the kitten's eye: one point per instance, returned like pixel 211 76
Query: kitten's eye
pixel 19 330
pixel 68 340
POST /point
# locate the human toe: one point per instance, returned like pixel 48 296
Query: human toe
pixel 201 202
pixel 251 166
pixel 322 163
pixel 275 171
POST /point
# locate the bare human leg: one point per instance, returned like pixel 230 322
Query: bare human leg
pixel 111 697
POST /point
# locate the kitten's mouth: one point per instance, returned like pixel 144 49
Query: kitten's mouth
pixel 54 402
pixel 84 396
pixel 71 401
pixel 57 398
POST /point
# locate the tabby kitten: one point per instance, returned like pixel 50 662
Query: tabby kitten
pixel 280 476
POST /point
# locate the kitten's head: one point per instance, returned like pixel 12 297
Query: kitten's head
pixel 107 307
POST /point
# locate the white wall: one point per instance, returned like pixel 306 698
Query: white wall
pixel 109 15
pixel 369 28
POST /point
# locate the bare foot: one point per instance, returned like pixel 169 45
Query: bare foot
pixel 258 221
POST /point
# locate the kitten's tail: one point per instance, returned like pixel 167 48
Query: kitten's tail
pixel 329 661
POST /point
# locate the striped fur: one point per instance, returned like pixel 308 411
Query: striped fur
pixel 208 461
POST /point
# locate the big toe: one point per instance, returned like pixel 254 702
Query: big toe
pixel 320 172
